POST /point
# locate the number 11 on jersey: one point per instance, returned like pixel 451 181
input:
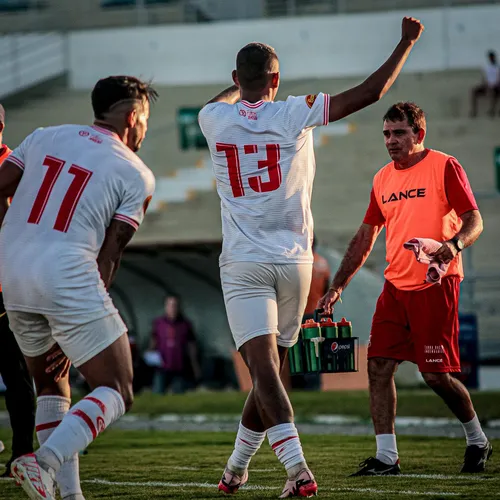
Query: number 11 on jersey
pixel 256 183
pixel 71 199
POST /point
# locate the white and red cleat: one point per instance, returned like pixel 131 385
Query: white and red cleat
pixel 302 485
pixel 231 482
pixel 35 481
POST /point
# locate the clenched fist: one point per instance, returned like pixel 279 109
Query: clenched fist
pixel 412 29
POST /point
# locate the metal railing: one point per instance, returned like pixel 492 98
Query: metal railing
pixel 30 59
pixel 37 15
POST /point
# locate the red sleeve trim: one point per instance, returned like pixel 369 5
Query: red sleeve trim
pixel 326 115
pixel 128 220
pixel 16 161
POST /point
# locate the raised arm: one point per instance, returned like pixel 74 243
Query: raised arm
pixel 378 83
pixel 231 95
pixel 117 237
pixel 358 251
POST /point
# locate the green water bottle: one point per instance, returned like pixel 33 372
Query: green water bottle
pixel 311 332
pixel 329 330
pixel 295 357
pixel 345 332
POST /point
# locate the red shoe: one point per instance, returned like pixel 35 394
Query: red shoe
pixel 302 485
pixel 231 482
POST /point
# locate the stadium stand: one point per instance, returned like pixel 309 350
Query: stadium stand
pixel 346 166
pixel 22 15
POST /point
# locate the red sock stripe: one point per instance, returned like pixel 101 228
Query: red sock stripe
pixel 98 402
pixel 88 421
pixel 246 442
pixel 48 425
pixel 279 443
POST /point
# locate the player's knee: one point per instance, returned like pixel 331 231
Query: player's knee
pixel 128 396
pixel 435 380
pixel 381 369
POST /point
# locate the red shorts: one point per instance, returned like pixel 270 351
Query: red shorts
pixel 418 326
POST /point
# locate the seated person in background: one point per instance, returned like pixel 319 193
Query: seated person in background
pixel 490 86
pixel 174 339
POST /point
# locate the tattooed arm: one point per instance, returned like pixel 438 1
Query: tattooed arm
pixel 358 251
pixel 231 95
pixel 117 237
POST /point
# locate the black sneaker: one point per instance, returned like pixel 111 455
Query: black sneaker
pixel 475 458
pixel 374 467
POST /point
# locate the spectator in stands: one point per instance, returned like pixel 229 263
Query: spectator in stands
pixel 319 286
pixel 174 339
pixel 490 86
pixel 20 396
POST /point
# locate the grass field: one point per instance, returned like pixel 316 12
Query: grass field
pixel 411 403
pixel 148 465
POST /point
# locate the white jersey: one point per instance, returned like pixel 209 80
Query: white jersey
pixel 76 179
pixel 264 165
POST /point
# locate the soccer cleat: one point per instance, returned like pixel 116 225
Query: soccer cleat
pixel 35 481
pixel 475 458
pixel 231 482
pixel 374 467
pixel 302 485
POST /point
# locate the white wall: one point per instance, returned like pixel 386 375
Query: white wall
pixel 326 46
pixel 30 59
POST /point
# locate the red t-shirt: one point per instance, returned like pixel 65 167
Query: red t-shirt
pixel 4 152
pixel 458 191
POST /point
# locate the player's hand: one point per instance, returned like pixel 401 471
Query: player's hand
pixel 59 364
pixel 412 29
pixel 446 253
pixel 329 300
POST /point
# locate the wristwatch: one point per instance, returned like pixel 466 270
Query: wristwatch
pixel 459 244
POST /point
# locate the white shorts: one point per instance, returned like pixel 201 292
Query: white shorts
pixel 264 299
pixel 37 333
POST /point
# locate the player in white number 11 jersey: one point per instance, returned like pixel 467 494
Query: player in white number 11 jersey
pixel 263 159
pixel 79 194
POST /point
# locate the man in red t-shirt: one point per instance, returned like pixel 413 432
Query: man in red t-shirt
pixel 20 396
pixel 421 193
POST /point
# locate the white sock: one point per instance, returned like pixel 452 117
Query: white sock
pixel 387 450
pixel 284 440
pixel 245 447
pixel 474 433
pixel 80 426
pixel 50 411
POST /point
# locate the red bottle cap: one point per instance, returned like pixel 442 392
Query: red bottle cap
pixel 344 322
pixel 310 323
pixel 327 322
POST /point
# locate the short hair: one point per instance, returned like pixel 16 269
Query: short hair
pixel 110 91
pixel 254 63
pixel 409 110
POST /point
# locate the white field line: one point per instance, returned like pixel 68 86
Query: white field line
pixel 398 492
pixel 159 484
pixel 162 484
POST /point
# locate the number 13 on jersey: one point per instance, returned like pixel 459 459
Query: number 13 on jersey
pixel 256 183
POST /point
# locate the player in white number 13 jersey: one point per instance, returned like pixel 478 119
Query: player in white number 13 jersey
pixel 79 194
pixel 263 159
